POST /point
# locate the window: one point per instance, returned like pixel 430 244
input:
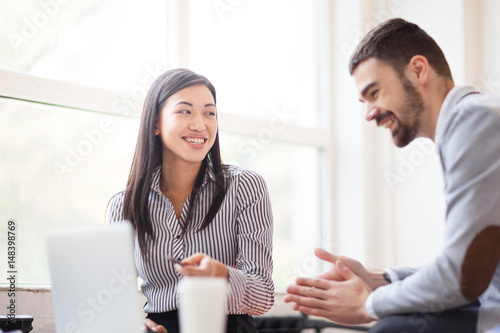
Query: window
pixel 73 79
pixel 73 76
pixel 61 166
pixel 106 44
pixel 264 66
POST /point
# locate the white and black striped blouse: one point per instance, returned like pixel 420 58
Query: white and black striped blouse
pixel 240 236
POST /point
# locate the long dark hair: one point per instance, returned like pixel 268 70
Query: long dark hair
pixel 148 156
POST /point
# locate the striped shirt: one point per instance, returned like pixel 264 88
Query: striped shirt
pixel 239 236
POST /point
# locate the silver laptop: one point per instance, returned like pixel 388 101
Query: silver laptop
pixel 94 281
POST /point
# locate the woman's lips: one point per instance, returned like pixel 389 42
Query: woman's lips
pixel 195 141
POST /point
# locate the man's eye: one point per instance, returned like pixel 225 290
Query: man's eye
pixel 374 93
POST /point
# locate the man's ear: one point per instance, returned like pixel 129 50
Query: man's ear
pixel 418 70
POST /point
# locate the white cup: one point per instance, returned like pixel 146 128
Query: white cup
pixel 202 304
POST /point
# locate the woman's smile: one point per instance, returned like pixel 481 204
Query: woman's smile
pixel 195 141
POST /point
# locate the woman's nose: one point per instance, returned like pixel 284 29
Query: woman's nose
pixel 197 123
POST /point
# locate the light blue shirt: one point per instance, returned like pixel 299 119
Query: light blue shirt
pixel 468 141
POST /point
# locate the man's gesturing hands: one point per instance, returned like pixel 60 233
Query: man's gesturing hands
pixel 339 294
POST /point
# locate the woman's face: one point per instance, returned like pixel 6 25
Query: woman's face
pixel 187 125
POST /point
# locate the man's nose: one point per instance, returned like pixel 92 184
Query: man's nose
pixel 371 112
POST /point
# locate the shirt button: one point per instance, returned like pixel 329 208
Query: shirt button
pixel 178 237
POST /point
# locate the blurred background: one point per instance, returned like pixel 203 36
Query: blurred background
pixel 73 75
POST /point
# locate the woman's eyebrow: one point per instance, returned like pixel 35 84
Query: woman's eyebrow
pixel 187 103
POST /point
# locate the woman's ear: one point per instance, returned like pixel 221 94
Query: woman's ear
pixel 157 128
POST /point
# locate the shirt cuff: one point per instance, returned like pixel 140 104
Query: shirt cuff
pixel 392 274
pixel 369 307
pixel 236 289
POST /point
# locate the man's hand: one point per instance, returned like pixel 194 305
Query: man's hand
pixel 152 326
pixel 200 264
pixel 372 278
pixel 339 301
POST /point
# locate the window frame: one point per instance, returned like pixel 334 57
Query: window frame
pixel 25 87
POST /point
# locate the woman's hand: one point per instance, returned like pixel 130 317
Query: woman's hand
pixel 152 326
pixel 200 264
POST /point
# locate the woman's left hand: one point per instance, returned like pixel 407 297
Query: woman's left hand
pixel 200 264
pixel 152 326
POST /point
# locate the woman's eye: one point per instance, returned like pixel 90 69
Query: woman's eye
pixel 184 112
pixel 210 113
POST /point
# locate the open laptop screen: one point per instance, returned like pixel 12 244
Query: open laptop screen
pixel 94 282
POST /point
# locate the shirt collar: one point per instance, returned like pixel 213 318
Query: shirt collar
pixel 155 184
pixel 453 98
pixel 209 173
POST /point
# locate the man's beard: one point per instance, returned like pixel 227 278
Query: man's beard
pixel 413 109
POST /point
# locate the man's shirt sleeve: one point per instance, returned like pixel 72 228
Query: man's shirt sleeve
pixel 470 153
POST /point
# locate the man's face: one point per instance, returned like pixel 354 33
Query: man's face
pixel 393 102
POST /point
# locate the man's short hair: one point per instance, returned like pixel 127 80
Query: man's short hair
pixel 395 42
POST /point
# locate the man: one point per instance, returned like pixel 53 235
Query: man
pixel 405 82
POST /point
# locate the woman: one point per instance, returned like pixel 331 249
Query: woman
pixel 184 203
